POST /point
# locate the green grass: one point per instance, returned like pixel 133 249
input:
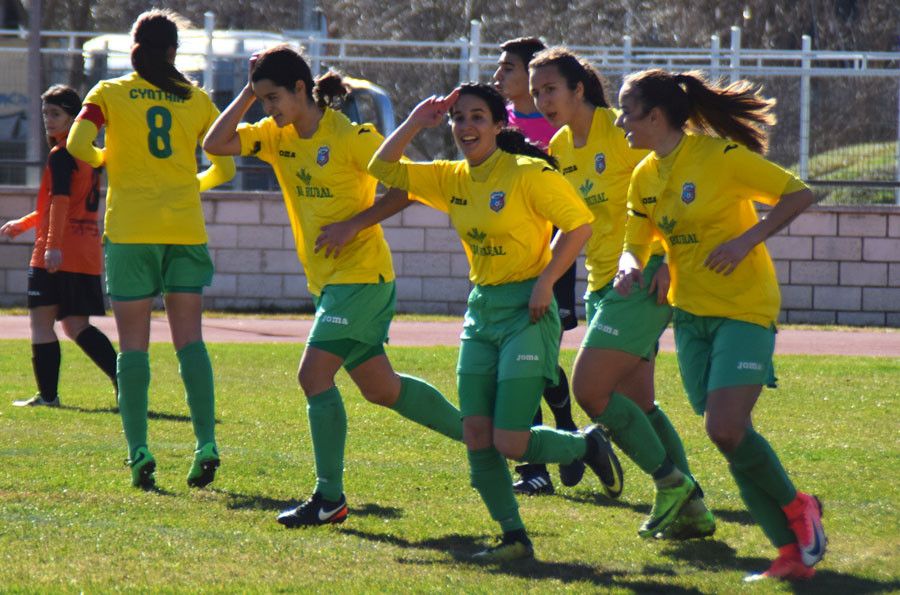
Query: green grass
pixel 69 520
pixel 865 161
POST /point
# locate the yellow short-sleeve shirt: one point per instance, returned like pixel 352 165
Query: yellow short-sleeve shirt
pixel 695 199
pixel 151 159
pixel 323 180
pixel 600 172
pixel 504 209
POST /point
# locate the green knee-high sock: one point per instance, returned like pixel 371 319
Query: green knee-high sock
pixel 133 377
pixel 669 438
pixel 631 431
pixel 197 375
pixel 546 445
pixel 764 510
pixel 490 476
pixel 422 403
pixel 328 428
pixel 755 458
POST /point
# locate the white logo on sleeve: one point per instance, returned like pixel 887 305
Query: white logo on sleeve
pixel 750 366
pixel 528 357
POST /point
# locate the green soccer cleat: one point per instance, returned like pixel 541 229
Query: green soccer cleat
pixel 669 502
pixel 690 526
pixel 203 469
pixel 513 546
pixel 143 467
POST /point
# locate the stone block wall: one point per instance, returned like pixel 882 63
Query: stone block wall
pixel 836 265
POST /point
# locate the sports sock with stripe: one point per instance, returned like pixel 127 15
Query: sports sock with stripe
pixel 490 476
pixel 328 429
pixel 96 346
pixel 630 429
pixel 669 438
pixel 197 376
pixel 133 376
pixel 424 404
pixel 45 360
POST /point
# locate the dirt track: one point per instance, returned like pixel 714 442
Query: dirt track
pixel 267 330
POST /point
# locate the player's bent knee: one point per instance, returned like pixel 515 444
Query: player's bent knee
pixel 725 437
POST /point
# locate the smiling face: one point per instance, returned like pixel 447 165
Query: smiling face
pixel 636 121
pixel 511 77
pixel 283 105
pixel 552 95
pixel 57 121
pixel 473 128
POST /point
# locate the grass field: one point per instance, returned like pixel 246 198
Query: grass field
pixel 69 520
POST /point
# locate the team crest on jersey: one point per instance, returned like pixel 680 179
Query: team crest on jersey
pixel 688 193
pixel 600 163
pixel 322 155
pixel 498 201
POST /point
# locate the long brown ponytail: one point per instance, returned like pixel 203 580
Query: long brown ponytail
pixel 155 33
pixel 737 111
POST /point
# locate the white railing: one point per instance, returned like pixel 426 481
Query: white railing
pixel 475 59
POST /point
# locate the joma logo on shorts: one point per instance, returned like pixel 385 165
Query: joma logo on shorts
pixel 605 328
pixel 527 357
pixel 749 366
pixel 335 319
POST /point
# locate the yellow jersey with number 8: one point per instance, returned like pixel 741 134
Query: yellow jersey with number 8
pixel 151 158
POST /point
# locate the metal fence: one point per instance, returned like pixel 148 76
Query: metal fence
pixel 839 112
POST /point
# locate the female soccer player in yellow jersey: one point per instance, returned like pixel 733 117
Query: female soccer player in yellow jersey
pixel 154 236
pixel 503 199
pixel 320 160
pixel 511 79
pixel 695 193
pixel 613 376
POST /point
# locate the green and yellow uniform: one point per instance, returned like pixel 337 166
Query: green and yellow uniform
pixel 504 210
pixel 601 171
pixel 155 236
pixel 324 180
pixel 693 200
pixel 154 226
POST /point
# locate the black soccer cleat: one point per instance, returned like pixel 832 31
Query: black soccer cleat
pixel 603 461
pixel 533 482
pixel 315 511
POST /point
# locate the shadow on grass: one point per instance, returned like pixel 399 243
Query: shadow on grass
pixel 829 581
pixel 598 499
pixel 739 517
pixel 710 555
pixel 462 547
pixel 150 414
pixel 257 502
pixel 254 501
pixel 158 491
